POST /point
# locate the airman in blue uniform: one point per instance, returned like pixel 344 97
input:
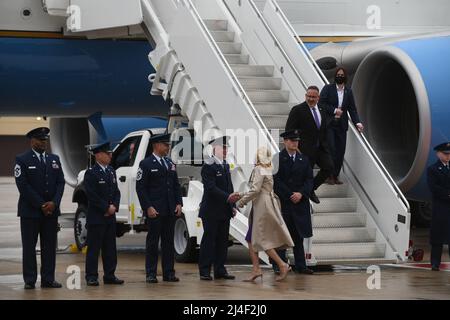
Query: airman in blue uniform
pixel 294 183
pixel 40 180
pixel 159 194
pixel 216 209
pixel 103 202
pixel 438 177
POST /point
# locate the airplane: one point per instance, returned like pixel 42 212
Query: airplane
pixel 398 72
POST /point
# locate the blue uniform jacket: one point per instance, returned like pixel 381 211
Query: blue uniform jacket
pixel 157 187
pixel 217 187
pixel 37 184
pixel 294 177
pixel 102 191
pixel 438 179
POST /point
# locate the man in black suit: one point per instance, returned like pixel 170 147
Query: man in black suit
pixel 40 180
pixel 337 99
pixel 216 209
pixel 312 121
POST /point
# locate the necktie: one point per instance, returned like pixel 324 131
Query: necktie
pixel 293 158
pixel 316 117
pixel 163 164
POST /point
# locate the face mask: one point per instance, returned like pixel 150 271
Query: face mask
pixel 339 79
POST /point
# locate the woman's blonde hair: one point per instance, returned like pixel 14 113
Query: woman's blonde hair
pixel 264 157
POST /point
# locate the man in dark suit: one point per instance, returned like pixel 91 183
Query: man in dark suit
pixel 216 209
pixel 438 177
pixel 40 180
pixel 312 122
pixel 103 196
pixel 293 183
pixel 337 100
pixel 160 197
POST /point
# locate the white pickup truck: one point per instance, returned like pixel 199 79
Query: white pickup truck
pixel 126 158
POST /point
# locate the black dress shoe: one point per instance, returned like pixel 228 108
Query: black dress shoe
pixel 29 286
pixel 92 282
pixel 171 279
pixel 304 271
pixel 206 277
pixel 151 279
pixel 53 284
pixel 314 198
pixel 225 276
pixel 113 281
pixel 433 268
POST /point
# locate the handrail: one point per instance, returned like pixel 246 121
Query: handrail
pixel 277 42
pixel 383 169
pixel 294 34
pixel 237 85
pixel 325 80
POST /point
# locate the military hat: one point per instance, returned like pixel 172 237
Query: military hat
pixel 39 133
pixel 443 147
pixel 100 147
pixel 291 135
pixel 162 137
pixel 220 141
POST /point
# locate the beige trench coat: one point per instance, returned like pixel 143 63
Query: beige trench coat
pixel 268 228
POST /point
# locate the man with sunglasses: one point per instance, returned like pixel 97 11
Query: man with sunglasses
pixel 40 180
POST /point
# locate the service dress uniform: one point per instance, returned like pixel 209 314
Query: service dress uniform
pixel 102 191
pixel 215 212
pixel 157 186
pixel 294 174
pixel 40 179
pixel 438 178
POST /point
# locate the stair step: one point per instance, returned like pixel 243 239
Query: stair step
pixel 230 47
pixel 216 25
pixel 342 251
pixel 252 70
pixel 223 36
pixel 346 235
pixel 339 220
pixel 333 191
pixel 274 108
pixel 237 58
pixel 335 205
pixel 260 83
pixel 274 120
pixel 268 95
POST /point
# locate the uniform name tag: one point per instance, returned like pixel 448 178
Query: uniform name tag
pixel 218 174
pixel 154 170
pixel 55 166
pixel 102 181
pixel 32 167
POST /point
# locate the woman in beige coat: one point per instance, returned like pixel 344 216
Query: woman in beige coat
pixel 267 230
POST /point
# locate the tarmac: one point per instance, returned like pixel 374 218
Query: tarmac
pixel 406 281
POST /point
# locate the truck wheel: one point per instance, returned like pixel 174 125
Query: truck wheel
pixel 185 246
pixel 80 230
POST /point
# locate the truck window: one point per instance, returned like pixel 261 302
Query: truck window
pixel 125 154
